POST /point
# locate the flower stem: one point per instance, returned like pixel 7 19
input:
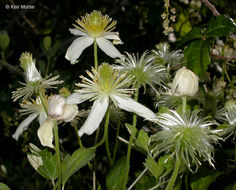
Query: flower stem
pixel 184 99
pixel 95 55
pixel 130 145
pixel 78 137
pixel 55 128
pixel 116 144
pixel 174 175
pixel 43 102
pixel 106 139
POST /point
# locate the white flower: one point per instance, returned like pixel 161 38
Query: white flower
pixel 60 108
pixel 105 84
pixel 35 110
pixel 187 137
pixel 94 27
pixel 34 81
pixel 185 83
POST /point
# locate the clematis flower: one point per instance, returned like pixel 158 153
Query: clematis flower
pixel 35 110
pixel 60 108
pixel 187 137
pixel 93 28
pixel 143 70
pixel 34 81
pixel 185 83
pixel 108 84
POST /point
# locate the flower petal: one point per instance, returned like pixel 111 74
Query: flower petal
pixel 113 36
pixel 45 133
pixel 77 47
pixel 77 32
pixel 95 117
pixel 24 125
pixel 70 111
pixel 131 105
pixel 108 48
pixel 42 117
pixel 75 98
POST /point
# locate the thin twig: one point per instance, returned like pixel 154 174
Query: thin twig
pixel 224 58
pixel 11 67
pixel 211 7
pixel 26 19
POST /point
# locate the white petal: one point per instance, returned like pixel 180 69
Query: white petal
pixel 95 117
pixel 113 36
pixel 42 117
pixel 70 111
pixel 108 48
pixel 75 98
pixel 77 47
pixel 35 161
pixel 45 133
pixel 77 32
pixel 24 125
pixel 131 105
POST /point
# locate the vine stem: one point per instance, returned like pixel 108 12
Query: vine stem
pixel 127 167
pixel 174 175
pixel 116 144
pixel 77 135
pixel 95 55
pixel 184 99
pixel 43 102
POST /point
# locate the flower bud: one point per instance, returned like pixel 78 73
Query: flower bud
pixel 56 106
pixel 185 83
pixel 28 64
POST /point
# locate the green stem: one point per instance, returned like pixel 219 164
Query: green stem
pixel 105 130
pixel 184 99
pixel 97 135
pixel 106 138
pixel 186 181
pixel 43 102
pixel 95 55
pixel 77 135
pixel 55 128
pixel 130 145
pixel 116 144
pixel 174 175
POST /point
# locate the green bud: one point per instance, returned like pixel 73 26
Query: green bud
pixel 4 40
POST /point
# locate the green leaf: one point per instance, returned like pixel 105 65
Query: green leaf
pixel 114 178
pixel 130 128
pixel 194 34
pixel 47 42
pixel 4 40
pixel 143 140
pixel 153 167
pixel 49 168
pixel 76 161
pixel 204 182
pixel 220 26
pixel 197 56
pixel 4 187
pixel 183 25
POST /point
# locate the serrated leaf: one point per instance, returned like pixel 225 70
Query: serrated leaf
pixel 220 26
pixel 153 167
pixel 143 140
pixel 115 177
pixel 77 160
pixel 47 42
pixel 49 168
pixel 194 34
pixel 4 187
pixel 197 56
pixel 204 182
pixel 4 40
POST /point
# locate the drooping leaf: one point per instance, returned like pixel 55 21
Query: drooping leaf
pixel 220 26
pixel 47 42
pixel 49 168
pixel 204 182
pixel 197 56
pixel 4 187
pixel 153 167
pixel 114 178
pixel 77 160
pixel 143 140
pixel 130 128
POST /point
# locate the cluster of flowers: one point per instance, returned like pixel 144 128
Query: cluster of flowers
pixel 185 135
